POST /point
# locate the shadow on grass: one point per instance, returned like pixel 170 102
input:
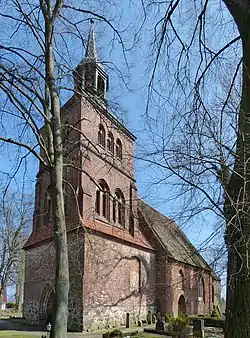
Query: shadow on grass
pixel 18 324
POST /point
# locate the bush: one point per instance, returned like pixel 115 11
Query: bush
pixel 168 318
pixel 179 324
pixel 215 313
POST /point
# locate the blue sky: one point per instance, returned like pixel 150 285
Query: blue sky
pixel 129 91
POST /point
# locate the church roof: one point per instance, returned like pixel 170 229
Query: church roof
pixel 172 238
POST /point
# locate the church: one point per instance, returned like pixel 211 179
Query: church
pixel 125 257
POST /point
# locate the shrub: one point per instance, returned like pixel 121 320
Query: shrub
pixel 179 324
pixel 168 318
pixel 215 313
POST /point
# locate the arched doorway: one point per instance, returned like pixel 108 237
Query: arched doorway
pixel 47 302
pixel 50 307
pixel 182 305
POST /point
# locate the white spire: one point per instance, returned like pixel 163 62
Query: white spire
pixel 91 52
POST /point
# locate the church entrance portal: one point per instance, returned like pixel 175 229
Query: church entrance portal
pixel 47 303
pixel 182 305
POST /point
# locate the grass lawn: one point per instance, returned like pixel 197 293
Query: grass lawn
pixel 17 334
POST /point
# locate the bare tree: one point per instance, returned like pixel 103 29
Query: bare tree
pixel 199 139
pixel 35 60
pixel 15 223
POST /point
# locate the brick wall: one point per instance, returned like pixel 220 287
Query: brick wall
pixel 39 281
pixel 110 282
pixel 191 276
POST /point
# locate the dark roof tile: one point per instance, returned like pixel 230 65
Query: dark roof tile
pixel 172 238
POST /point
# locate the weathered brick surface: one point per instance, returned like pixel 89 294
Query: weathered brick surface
pixel 190 290
pixel 40 276
pixel 111 277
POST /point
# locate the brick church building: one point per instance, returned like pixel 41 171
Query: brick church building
pixel 124 256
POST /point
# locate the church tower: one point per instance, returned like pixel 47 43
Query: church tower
pixel 106 247
pixel 107 149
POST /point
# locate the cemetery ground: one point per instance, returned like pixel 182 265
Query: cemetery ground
pixel 12 325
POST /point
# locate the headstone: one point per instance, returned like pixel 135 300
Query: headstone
pixel 198 328
pixel 149 317
pixel 139 323
pixel 127 320
pixel 153 319
pixel 160 325
pixel 158 316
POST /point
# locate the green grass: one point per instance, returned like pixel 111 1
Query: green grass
pixel 16 334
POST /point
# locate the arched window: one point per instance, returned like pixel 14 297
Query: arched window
pixel 110 142
pixel 180 280
pixel 98 201
pixel 135 274
pixel 201 289
pixel 48 205
pixel 101 136
pixel 212 294
pixel 102 203
pixel 119 149
pixel 119 208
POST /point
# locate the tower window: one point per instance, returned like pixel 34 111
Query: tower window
pixel 119 149
pixel 89 78
pixel 100 86
pixel 101 136
pixel 110 142
pixel 102 203
pixel 119 208
pixel 48 205
pixel 98 202
pixel 131 216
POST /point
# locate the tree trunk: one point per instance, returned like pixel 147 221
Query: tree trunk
pixel 59 324
pixel 238 213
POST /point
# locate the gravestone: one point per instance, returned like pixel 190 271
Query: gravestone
pixel 127 320
pixel 198 328
pixel 149 317
pixel 160 325
pixel 158 316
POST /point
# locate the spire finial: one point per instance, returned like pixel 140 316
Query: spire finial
pixel 91 52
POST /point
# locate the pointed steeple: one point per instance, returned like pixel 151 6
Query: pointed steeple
pixel 90 75
pixel 91 51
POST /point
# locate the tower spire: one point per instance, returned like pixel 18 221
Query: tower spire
pixel 90 75
pixel 91 51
